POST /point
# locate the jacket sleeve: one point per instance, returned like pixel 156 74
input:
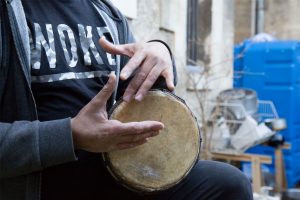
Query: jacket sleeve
pixel 160 83
pixel 27 147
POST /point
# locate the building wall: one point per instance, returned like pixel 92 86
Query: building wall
pixel 129 11
pixel 204 30
pixel 149 23
pixel 243 20
pixel 281 19
pixel 221 51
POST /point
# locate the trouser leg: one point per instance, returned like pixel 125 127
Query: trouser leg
pixel 208 180
pixel 211 180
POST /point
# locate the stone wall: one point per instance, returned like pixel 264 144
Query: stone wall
pixel 281 19
pixel 243 20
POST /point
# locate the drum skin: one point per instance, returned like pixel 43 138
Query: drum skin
pixel 164 160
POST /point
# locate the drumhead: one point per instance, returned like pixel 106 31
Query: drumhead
pixel 164 160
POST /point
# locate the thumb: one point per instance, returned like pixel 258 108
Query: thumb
pixel 125 49
pixel 99 101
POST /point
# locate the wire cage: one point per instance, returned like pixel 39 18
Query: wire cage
pixel 266 110
pixel 233 130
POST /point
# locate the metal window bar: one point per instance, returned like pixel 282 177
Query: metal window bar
pixel 192 27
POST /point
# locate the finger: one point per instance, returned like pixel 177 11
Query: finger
pixel 152 78
pixel 135 138
pixel 169 76
pixel 138 79
pixel 137 128
pixel 148 83
pixel 134 62
pixel 131 145
pixel 134 85
pixel 102 97
pixel 126 49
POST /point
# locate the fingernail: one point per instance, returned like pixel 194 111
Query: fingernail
pixel 163 126
pixel 124 75
pixel 172 87
pixel 139 97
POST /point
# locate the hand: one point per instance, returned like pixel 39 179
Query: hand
pixel 92 131
pixel 147 62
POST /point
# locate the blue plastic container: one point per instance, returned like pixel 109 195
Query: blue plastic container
pixel 292 177
pixel 239 53
pixel 291 160
pixel 273 70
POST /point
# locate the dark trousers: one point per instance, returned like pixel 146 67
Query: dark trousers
pixel 207 181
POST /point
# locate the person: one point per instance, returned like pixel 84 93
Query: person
pixel 53 119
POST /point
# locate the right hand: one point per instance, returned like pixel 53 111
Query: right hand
pixel 94 132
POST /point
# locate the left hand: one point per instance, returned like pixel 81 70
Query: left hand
pixel 147 62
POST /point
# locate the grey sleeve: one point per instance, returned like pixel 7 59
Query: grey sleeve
pixel 27 147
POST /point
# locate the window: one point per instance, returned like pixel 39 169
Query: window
pixel 192 27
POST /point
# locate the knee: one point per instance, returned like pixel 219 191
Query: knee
pixel 232 182
pixel 226 181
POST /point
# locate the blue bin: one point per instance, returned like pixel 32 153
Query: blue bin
pixel 272 69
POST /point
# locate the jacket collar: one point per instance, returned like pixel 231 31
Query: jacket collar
pixel 22 26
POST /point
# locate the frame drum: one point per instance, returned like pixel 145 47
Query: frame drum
pixel 164 160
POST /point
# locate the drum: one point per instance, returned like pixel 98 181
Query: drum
pixel 164 160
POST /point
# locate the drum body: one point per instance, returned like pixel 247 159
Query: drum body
pixel 164 160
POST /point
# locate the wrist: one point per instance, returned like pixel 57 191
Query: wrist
pixel 74 133
pixel 164 44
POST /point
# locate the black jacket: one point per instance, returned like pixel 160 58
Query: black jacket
pixel 25 146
